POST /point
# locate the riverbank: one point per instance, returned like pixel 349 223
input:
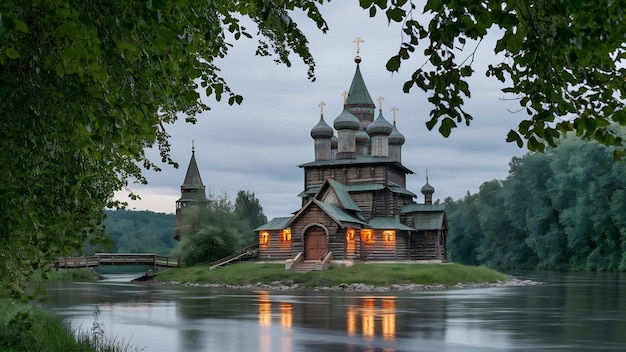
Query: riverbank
pixel 26 328
pixel 360 277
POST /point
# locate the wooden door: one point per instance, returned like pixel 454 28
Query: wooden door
pixel 315 245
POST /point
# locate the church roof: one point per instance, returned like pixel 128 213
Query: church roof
pixel 364 159
pixel 337 213
pixel 343 196
pixel 274 224
pixel 358 94
pixel 388 223
pixel 413 208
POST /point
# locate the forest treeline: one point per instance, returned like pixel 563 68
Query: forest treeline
pixel 139 232
pixel 564 209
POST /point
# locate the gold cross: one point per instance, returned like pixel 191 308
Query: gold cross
pixel 380 103
pixel 321 105
pixel 358 41
pixel 394 110
pixel 345 96
pixel 192 146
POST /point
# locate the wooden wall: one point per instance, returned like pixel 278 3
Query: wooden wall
pixel 354 174
pixel 276 249
pixel 428 245
pixel 386 250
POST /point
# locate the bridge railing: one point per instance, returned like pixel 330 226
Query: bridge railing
pixel 118 259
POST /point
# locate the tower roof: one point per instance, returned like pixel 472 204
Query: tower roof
pixel 346 121
pixel 380 126
pixel 192 178
pixel 396 137
pixel 427 188
pixel 322 130
pixel 358 96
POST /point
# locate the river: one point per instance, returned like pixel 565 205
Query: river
pixel 570 312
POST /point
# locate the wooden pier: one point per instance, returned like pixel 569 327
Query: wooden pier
pixel 117 259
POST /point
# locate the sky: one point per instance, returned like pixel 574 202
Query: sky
pixel 258 145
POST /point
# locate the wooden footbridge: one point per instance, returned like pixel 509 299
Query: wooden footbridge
pixel 117 259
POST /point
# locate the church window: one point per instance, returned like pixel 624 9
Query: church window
pixel 350 234
pixel 367 236
pixel 264 237
pixel 389 235
pixel 285 235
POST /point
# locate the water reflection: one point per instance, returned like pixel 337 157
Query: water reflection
pixel 372 310
pixel 375 315
pixel 573 312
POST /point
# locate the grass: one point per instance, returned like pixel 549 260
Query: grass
pixel 379 274
pixel 23 328
pixel 83 274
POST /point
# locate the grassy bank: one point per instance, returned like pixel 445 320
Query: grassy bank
pixel 83 274
pixel 379 274
pixel 23 328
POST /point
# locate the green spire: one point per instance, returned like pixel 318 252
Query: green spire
pixel 358 96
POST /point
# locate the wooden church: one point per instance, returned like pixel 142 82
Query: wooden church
pixel 355 204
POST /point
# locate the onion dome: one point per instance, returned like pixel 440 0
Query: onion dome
pixel 322 130
pixel 346 121
pixel 396 137
pixel 427 188
pixel 380 126
pixel 334 142
pixel 362 137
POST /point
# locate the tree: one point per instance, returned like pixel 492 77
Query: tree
pixel 212 232
pixel 563 60
pixel 85 86
pixel 249 209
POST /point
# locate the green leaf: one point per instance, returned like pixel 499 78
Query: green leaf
pixel 12 53
pixel 372 11
pixel 433 5
pixel 393 64
pixel 20 26
pixel 395 14
pixel 513 136
pixel 447 124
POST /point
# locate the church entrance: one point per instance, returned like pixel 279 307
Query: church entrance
pixel 315 244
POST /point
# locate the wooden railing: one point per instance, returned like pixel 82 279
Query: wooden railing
pixel 251 251
pixel 292 264
pixel 117 259
pixel 325 260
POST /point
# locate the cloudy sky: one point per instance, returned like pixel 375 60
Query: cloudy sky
pixel 258 145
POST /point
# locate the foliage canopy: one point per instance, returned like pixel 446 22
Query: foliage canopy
pixel 85 86
pixel 563 60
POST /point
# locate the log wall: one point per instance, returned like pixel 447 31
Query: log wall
pixel 276 249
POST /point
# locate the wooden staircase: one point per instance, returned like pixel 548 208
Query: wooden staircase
pixel 307 265
pixel 244 254
pixel 310 265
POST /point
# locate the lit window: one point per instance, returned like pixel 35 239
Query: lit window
pixel 367 235
pixel 285 235
pixel 389 235
pixel 264 237
pixel 350 234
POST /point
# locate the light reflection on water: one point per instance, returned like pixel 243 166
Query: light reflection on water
pixel 577 313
